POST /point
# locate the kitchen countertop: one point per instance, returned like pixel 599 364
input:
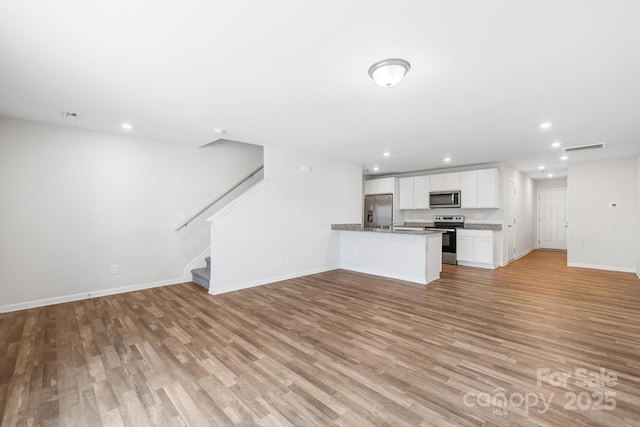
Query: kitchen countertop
pixel 359 227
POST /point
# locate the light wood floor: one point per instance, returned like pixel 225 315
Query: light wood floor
pixel 337 348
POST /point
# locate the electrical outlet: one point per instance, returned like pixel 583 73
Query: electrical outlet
pixel 114 269
pixel 613 205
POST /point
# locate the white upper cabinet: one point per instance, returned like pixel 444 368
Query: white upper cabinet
pixel 379 186
pixel 445 181
pixel 406 193
pixel 479 189
pixel 421 192
pixel 488 188
pixel 414 192
pixel 469 189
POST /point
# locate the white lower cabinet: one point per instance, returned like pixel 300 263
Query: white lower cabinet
pixel 475 248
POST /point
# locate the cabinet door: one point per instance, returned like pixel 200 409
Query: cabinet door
pixel 452 181
pixel 370 187
pixel 421 192
pixel 469 189
pixel 379 186
pixel 483 250
pixel 464 248
pixel 406 193
pixel 488 188
pixel 437 182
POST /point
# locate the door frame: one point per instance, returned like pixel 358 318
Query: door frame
pixel 508 209
pixel 538 214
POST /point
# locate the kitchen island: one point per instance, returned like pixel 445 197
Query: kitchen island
pixel 414 256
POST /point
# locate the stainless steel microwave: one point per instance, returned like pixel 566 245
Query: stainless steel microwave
pixel 444 199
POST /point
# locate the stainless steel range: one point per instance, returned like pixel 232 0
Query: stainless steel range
pixel 449 224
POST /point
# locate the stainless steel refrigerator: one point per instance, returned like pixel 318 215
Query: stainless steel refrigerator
pixel 378 211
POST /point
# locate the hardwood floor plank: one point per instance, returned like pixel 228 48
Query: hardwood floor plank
pixel 337 348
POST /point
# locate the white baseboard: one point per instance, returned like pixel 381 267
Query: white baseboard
pixel 87 295
pixel 198 261
pixel 602 267
pixel 389 275
pixel 524 253
pixel 217 291
pixel 477 265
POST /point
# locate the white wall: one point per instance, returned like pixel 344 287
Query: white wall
pixel 525 211
pixel 546 183
pixel 75 202
pixel 284 229
pixel 638 223
pixel 600 237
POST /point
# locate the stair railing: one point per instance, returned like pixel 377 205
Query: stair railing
pixel 226 193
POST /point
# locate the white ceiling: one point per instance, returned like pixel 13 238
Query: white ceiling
pixel 294 73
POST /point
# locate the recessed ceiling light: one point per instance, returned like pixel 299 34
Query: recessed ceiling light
pixel 556 144
pixel 541 167
pixel 545 125
pixel 218 130
pixel 550 175
pixel 564 157
pixel 127 126
pixel 375 168
pixel 447 159
pixel 386 154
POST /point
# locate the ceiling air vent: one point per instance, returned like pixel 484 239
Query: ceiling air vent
pixel 584 147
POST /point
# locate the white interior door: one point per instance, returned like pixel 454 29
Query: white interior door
pixel 511 220
pixel 552 219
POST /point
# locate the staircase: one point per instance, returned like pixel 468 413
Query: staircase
pixel 201 276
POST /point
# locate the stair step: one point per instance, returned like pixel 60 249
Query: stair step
pixel 201 276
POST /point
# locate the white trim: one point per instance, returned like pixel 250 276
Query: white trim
pixel 197 261
pixel 232 204
pixel 217 291
pixel 88 295
pixel 602 267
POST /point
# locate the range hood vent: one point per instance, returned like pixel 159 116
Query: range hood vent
pixel 584 147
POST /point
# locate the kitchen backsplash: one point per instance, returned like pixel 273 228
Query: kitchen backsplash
pixel 471 215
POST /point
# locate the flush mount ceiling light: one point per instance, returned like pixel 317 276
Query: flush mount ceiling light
pixel 389 72
pixel 386 154
pixel 556 144
pixel 127 126
pixel 545 125
pixel 447 159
